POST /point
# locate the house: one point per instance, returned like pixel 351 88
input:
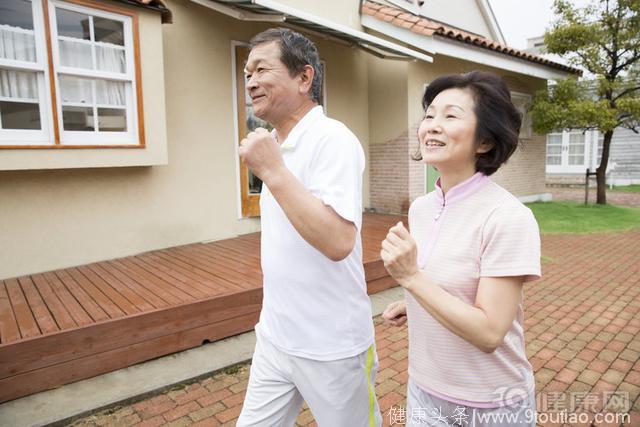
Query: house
pixel 571 153
pixel 120 122
pixel 120 119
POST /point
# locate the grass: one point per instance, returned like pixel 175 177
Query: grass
pixel 572 217
pixel 634 188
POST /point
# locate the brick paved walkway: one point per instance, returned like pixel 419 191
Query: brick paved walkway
pixel 583 339
pixel 620 198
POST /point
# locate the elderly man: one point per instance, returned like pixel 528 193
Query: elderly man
pixel 315 334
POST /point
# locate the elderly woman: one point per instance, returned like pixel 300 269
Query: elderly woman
pixel 471 248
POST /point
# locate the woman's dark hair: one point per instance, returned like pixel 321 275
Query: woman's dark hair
pixel 296 51
pixel 498 120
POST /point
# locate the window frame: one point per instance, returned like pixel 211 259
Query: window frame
pixel 23 137
pixel 58 138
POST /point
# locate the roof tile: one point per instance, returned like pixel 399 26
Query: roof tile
pixel 427 27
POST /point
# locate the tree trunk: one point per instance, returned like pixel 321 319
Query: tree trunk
pixel 601 172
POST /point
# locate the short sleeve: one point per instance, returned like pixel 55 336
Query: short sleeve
pixel 336 174
pixel 511 244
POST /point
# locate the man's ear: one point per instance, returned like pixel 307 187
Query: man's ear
pixel 484 147
pixel 306 79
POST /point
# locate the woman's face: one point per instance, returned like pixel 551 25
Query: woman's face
pixel 447 132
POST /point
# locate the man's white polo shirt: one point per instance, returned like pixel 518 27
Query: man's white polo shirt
pixel 314 307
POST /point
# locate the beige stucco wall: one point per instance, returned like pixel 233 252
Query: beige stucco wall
pixel 343 12
pixel 58 218
pixel 464 14
pixel 153 101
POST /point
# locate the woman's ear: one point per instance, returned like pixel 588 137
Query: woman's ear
pixel 484 147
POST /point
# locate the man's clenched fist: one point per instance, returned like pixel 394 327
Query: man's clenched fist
pixel 261 153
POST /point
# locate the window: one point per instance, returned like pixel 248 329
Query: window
pixel 600 145
pixel 92 99
pixel 554 149
pixel 576 149
pixel 23 72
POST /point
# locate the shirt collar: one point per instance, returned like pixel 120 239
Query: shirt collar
pixel 298 130
pixel 462 190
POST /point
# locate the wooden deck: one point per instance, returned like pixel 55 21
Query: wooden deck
pixel 66 325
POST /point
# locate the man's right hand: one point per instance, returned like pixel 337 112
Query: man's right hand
pixel 396 313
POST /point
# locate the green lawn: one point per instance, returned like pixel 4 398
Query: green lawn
pixel 634 188
pixel 572 217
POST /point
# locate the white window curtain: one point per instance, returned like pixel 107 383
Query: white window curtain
pixel 17 44
pixel 18 84
pixel 79 90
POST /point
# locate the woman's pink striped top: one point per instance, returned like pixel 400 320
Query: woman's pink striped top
pixel 478 230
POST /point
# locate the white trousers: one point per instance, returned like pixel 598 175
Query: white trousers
pixel 340 393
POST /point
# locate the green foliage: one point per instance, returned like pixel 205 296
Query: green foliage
pixel 603 38
pixel 572 217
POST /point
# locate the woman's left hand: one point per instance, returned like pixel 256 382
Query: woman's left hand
pixel 399 253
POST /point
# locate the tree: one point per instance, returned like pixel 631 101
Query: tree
pixel 604 39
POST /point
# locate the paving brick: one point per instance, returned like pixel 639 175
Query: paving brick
pixel 214 397
pixel 633 377
pixel 158 420
pixel 577 365
pixel 630 355
pixel 567 376
pixel 234 400
pixel 556 364
pixel 589 377
pixel 207 412
pixel 612 376
pixel 608 355
pixel 229 414
pixel 599 366
pixel 193 393
pixel 181 411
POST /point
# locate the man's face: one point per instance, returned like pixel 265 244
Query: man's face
pixel 274 93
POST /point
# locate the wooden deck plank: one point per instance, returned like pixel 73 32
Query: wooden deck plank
pixel 197 270
pixel 217 260
pixel 8 324
pixel 170 293
pixel 84 299
pixel 56 307
pixel 26 323
pixel 219 265
pixel 229 276
pixel 241 248
pixel 100 296
pixel 239 258
pixel 73 308
pixel 150 294
pixel 120 300
pixel 234 252
pixel 43 317
pixel 191 287
pixel 209 287
pixel 136 300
